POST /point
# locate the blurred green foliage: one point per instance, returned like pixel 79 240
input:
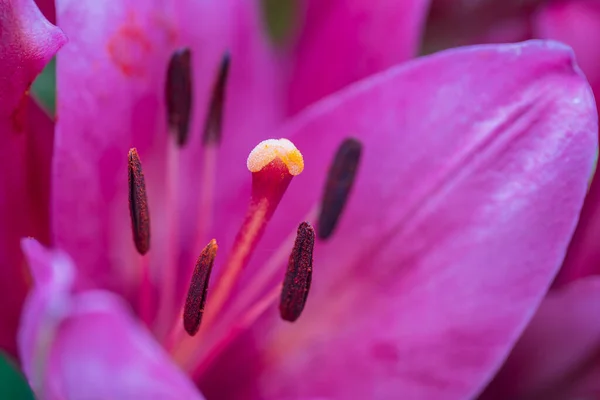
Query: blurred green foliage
pixel 280 18
pixel 13 385
pixel 44 87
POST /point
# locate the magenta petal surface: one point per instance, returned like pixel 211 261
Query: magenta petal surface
pixel 343 41
pixel 27 43
pixel 86 345
pixel 110 84
pixel 558 350
pixel 474 170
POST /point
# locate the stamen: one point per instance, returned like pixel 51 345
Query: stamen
pixel 138 204
pixel 340 179
pixel 196 297
pixel 273 164
pixel 299 274
pixel 214 119
pixel 178 94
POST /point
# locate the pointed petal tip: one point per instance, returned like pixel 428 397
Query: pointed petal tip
pixel 47 266
pixel 82 338
pixel 41 38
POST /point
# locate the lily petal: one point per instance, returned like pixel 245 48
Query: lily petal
pixel 475 166
pixel 86 345
pixel 575 22
pixel 27 43
pixel 559 348
pixel 110 86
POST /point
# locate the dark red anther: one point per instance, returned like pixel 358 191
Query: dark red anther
pixel 214 119
pixel 178 94
pixel 196 297
pixel 298 275
pixel 138 203
pixel 340 179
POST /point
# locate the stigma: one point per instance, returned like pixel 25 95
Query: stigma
pixel 276 151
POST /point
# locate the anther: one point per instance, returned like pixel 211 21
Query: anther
pixel 196 297
pixel 138 203
pixel 178 94
pixel 298 275
pixel 214 119
pixel 340 179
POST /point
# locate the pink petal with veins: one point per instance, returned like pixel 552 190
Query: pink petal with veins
pixel 474 170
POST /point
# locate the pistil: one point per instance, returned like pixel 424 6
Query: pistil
pixel 273 164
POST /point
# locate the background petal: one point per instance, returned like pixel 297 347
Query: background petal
pixel 575 22
pixel 454 23
pixel 343 41
pixel 475 166
pixel 27 43
pixel 86 345
pixel 558 350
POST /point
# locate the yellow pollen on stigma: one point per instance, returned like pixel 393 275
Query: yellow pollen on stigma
pixel 269 150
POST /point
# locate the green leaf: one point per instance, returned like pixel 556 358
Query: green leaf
pixel 12 382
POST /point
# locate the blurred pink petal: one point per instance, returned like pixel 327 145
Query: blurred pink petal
pixel 342 41
pixel 27 43
pixel 577 23
pixel 474 170
pixel 462 22
pixel 558 350
pixel 85 345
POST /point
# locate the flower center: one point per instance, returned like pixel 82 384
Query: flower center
pixel 204 326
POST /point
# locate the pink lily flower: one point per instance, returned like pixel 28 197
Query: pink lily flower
pixel 466 195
